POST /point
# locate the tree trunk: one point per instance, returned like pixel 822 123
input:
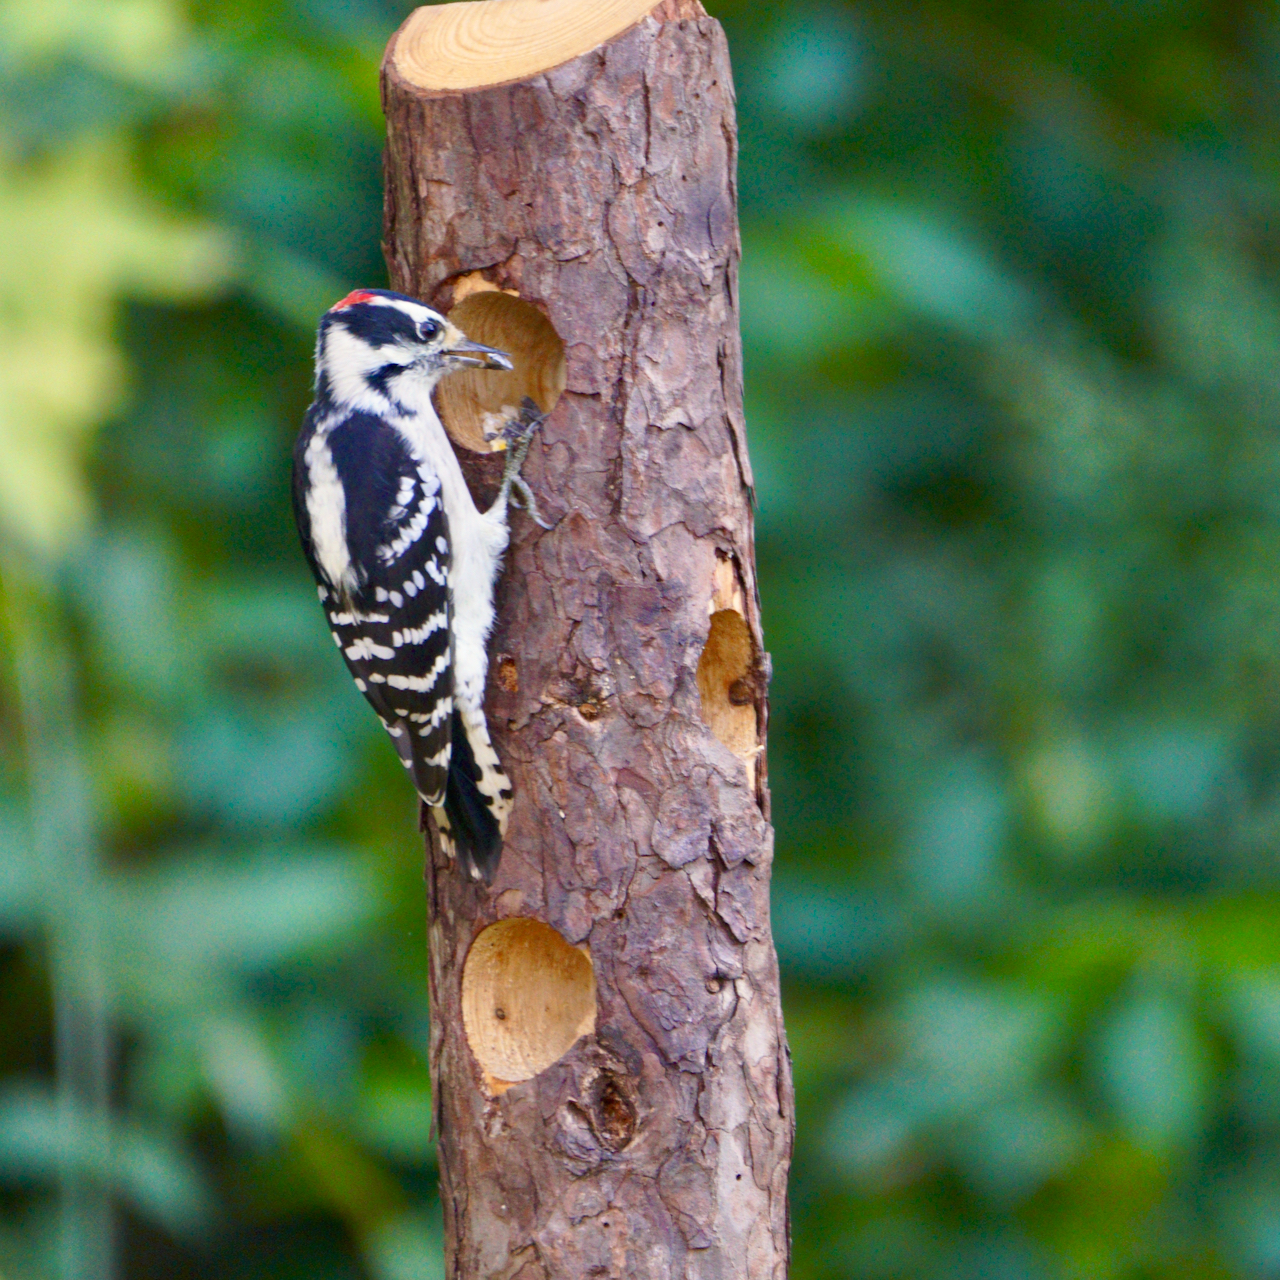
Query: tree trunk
pixel 612 1084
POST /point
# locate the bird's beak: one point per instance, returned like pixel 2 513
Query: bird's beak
pixel 465 354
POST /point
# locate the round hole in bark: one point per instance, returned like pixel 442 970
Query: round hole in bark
pixel 527 995
pixel 475 403
pixel 725 683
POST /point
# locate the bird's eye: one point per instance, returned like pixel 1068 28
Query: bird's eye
pixel 429 329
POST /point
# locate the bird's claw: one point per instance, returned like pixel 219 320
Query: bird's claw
pixel 519 429
pixel 518 433
pixel 520 489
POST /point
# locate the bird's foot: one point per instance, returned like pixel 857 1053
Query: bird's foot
pixel 519 436
pixel 520 489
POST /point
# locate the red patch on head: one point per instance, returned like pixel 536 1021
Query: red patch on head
pixel 359 295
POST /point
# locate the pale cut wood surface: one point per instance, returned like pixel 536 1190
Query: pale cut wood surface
pixel 492 42
pixel 628 680
pixel 470 401
pixel 527 995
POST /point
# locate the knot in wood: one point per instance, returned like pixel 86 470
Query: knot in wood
pixel 612 1112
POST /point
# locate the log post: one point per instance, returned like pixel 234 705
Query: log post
pixel 612 1084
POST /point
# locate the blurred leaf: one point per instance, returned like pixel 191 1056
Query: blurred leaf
pixel 254 915
pixel 818 72
pixel 245 1078
pixel 294 288
pixel 794 313
pixel 828 935
pixel 1013 1148
pixel 38 1134
pixel 20 881
pixel 932 267
pixel 346 1178
pixel 953 856
pixel 61 372
pixel 410 1247
pixel 264 772
pixel 1153 1064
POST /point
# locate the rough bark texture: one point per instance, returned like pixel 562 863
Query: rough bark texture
pixel 603 192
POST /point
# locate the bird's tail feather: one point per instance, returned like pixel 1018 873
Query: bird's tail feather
pixel 477 799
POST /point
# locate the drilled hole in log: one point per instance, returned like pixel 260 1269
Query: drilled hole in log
pixel 728 672
pixel 726 683
pixel 527 995
pixel 466 46
pixel 474 404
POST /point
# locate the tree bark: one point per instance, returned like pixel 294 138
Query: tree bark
pixel 613 1098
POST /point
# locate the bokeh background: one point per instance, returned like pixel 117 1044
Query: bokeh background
pixel 1012 320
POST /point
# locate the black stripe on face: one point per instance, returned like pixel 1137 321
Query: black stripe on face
pixel 378 325
pixel 380 380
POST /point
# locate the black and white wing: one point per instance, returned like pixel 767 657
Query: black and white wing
pixel 391 621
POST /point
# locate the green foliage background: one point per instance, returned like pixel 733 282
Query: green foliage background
pixel 1012 321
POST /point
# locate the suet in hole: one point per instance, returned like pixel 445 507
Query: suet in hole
pixel 728 670
pixel 527 995
pixel 476 404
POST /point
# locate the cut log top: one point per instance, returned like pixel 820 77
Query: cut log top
pixel 482 43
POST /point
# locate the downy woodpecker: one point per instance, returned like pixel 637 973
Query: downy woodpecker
pixel 404 562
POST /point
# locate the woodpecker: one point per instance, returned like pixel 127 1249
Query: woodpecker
pixel 404 562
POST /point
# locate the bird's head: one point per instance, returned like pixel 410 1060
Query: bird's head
pixel 378 349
